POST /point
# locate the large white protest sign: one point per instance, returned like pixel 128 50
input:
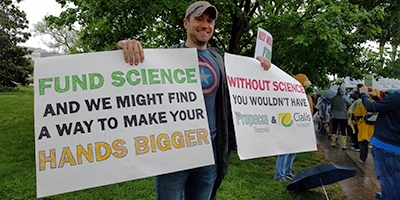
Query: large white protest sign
pixel 263 44
pixel 270 110
pixel 100 121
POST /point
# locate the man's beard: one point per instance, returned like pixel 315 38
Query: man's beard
pixel 196 40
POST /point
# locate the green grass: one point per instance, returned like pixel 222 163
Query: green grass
pixel 249 179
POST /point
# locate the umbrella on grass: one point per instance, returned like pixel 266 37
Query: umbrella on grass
pixel 319 176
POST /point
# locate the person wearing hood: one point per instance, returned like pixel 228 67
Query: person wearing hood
pixel 339 106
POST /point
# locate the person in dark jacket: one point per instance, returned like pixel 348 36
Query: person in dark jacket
pixel 199 183
pixel 339 105
pixel 385 141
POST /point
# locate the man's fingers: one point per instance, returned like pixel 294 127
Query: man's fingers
pixel 125 47
pixel 141 52
pixel 265 63
pixel 133 51
pixel 136 49
pixel 363 89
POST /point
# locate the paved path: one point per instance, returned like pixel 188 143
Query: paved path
pixel 364 185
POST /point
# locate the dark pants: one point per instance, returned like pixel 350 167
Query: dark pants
pixel 354 137
pixel 364 150
pixel 219 179
pixel 217 184
pixel 339 123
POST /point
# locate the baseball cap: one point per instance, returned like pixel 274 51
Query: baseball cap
pixel 198 8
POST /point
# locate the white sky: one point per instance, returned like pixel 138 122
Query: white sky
pixel 35 10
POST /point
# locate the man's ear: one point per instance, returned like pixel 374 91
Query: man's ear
pixel 185 22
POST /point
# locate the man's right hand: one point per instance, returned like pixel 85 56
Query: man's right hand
pixel 133 51
pixel 363 89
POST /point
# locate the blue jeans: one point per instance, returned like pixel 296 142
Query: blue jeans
pixel 284 165
pixel 194 183
pixel 387 168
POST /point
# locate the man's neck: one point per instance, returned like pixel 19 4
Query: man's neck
pixel 193 45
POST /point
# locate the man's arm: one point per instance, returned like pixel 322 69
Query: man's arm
pixel 387 104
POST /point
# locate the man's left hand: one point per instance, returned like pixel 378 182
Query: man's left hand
pixel 265 63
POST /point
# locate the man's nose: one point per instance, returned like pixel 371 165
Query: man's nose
pixel 204 24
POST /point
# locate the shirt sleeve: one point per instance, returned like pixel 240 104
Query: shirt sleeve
pixel 389 103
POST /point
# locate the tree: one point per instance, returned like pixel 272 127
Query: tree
pixel 14 67
pixel 104 22
pixel 322 37
pixel 315 37
pixel 62 38
pixel 387 59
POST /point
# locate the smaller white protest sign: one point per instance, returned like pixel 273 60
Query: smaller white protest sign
pixel 386 84
pixel 351 83
pixel 270 110
pixel 263 44
pixel 100 121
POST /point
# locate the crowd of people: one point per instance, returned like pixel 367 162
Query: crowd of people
pixel 372 120
pixel 342 114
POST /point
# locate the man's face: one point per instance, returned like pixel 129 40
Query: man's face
pixel 199 29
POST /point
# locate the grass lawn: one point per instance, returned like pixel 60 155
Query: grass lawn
pixel 249 179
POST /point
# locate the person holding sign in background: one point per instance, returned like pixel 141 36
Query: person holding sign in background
pixel 284 162
pixel 203 182
pixel 385 141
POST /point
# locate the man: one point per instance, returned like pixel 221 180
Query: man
pixel 198 183
pixel 385 141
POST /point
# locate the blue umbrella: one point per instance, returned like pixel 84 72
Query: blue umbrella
pixel 319 176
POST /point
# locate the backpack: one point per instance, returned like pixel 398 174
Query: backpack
pixel 370 118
